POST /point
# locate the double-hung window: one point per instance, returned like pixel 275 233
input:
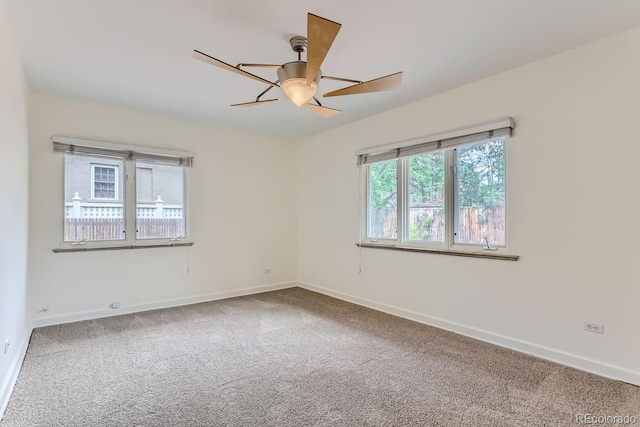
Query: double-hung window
pixel 115 193
pixel 445 192
pixel 104 181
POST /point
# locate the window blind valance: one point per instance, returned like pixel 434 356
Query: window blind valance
pixel 63 144
pixel 453 139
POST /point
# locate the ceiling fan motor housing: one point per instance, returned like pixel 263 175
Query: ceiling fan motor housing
pixel 296 70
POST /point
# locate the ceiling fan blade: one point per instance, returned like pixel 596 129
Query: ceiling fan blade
pixel 213 61
pixel 320 36
pixel 389 82
pixel 251 104
pixel 323 112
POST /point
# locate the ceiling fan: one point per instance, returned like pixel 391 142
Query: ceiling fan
pixel 299 79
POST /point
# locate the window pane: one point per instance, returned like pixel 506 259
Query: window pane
pixel 383 200
pixel 480 198
pixel 159 201
pixel 426 198
pixel 88 181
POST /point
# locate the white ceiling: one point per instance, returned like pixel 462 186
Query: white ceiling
pixel 137 53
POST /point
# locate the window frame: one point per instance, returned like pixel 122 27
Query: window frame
pixel 128 198
pixel 451 215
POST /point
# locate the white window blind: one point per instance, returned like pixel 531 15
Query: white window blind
pixel 128 152
pixel 453 139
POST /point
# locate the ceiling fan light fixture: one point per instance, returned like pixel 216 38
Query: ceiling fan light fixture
pixel 297 90
pixel 293 82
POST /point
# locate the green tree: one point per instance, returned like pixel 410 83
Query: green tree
pixel 481 174
pixel 426 190
pixel 426 178
pixel 384 186
pixel 383 196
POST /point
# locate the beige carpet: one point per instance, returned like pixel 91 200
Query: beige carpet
pixel 292 358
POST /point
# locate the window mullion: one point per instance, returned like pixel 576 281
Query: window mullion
pixel 402 211
pixel 450 196
pixel 364 202
pixel 130 200
pixel 186 191
pixel 366 198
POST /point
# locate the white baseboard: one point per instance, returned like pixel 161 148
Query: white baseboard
pixel 558 356
pixel 12 374
pixel 134 308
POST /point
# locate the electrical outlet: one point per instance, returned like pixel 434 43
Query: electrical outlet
pixel 115 304
pixel 7 343
pixel 594 327
pixel 267 271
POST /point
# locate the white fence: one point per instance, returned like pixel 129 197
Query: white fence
pixel 77 209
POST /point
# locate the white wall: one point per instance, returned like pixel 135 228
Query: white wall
pixel 573 197
pixel 14 190
pixel 242 216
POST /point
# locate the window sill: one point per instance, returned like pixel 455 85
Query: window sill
pixel 119 247
pixel 487 255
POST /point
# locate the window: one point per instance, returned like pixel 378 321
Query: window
pixel 104 181
pixel 445 193
pixel 480 194
pixel 383 201
pixel 161 215
pixel 426 191
pixel 93 207
pixel 110 190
